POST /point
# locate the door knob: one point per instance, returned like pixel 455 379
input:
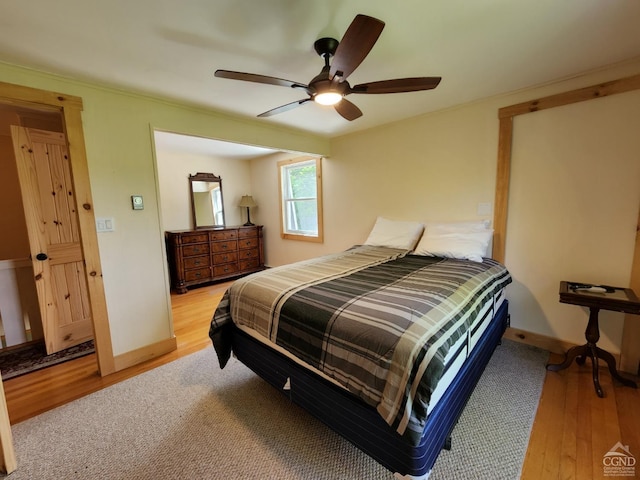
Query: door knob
pixel 41 256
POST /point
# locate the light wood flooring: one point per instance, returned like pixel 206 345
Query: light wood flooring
pixel 37 392
pixel 574 428
pixel 572 431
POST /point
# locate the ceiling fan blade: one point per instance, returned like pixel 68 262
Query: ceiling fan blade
pixel 398 85
pixel 253 77
pixel 355 45
pixel 284 108
pixel 347 109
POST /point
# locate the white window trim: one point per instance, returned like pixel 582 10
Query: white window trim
pixel 319 237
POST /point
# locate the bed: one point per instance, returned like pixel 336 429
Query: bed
pixel 382 345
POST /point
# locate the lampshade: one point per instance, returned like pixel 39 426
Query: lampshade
pixel 247 201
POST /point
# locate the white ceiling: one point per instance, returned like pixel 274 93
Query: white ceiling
pixel 171 49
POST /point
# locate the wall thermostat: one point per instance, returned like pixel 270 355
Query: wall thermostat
pixel 136 202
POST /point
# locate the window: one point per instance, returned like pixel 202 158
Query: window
pixel 216 203
pixel 301 199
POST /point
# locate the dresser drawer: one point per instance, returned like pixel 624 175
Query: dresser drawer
pixel 224 235
pixel 201 256
pixel 219 247
pixel 226 269
pixel 249 264
pixel 250 242
pixel 197 249
pixel 200 274
pixel 220 258
pixel 196 262
pixel 244 254
pixel 195 238
pixel 247 232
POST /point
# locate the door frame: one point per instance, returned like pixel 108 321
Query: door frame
pixel 71 110
pixel 630 348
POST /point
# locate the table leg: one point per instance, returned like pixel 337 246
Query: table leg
pixel 581 352
pixel 592 333
pixel 591 350
pixel 611 362
pixel 594 365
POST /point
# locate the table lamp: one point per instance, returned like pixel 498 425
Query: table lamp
pixel 247 201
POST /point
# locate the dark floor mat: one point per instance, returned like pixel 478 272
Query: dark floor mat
pixel 30 358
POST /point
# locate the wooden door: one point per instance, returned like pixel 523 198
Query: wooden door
pixel 49 202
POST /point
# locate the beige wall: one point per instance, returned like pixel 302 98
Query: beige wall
pixel 438 167
pixel 573 211
pixel 118 129
pixel 412 170
pixel 264 185
pixel 174 168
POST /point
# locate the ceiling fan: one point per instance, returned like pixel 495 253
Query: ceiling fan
pixel 330 86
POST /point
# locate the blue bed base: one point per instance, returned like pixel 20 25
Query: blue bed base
pixel 358 422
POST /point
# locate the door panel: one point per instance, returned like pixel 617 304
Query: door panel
pixel 52 222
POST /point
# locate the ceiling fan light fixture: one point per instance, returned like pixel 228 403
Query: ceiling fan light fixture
pixel 327 98
pixel 341 58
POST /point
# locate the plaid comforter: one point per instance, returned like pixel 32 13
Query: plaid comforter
pixel 378 321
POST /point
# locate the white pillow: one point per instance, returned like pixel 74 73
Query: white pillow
pixel 395 234
pixel 469 246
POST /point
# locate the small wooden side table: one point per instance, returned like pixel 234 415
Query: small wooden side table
pixel 596 297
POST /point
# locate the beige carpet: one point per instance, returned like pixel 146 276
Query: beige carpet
pixel 191 420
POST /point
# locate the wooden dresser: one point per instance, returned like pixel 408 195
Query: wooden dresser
pixel 207 255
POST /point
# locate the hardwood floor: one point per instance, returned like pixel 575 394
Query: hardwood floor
pixel 572 431
pixel 37 392
pixel 574 428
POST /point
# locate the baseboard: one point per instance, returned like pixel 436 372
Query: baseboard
pixel 554 345
pixel 143 354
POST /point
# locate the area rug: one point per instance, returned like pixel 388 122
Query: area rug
pixel 18 361
pixel 189 419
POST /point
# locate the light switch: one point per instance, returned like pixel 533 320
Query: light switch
pixel 105 224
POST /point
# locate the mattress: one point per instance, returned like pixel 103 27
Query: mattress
pixel 453 362
pixel 390 328
pixel 360 423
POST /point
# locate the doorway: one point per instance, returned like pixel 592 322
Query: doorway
pixel 27 344
pixel 53 111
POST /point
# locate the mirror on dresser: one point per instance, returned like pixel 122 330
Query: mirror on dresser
pixel 207 205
